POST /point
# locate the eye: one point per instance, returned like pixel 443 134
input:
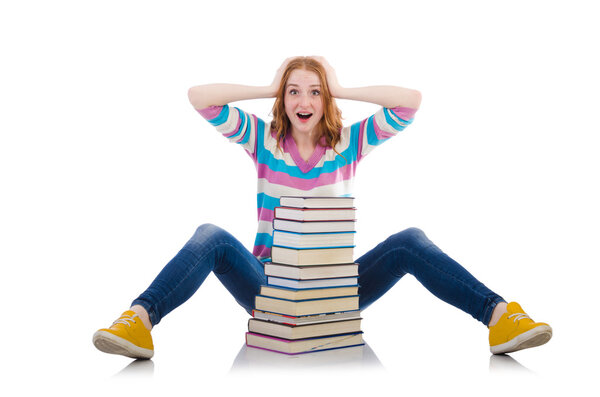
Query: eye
pixel 293 91
pixel 316 92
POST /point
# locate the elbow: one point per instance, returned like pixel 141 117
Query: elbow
pixel 196 97
pixel 407 98
pixel 415 99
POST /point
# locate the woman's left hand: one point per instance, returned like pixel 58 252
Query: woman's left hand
pixel 332 81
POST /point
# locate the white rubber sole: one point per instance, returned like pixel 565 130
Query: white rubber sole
pixel 532 338
pixel 112 344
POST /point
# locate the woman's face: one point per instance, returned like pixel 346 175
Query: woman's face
pixel 303 102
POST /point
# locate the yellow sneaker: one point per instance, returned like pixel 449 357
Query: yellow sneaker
pixel 126 336
pixel 516 331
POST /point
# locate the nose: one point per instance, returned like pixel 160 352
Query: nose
pixel 304 100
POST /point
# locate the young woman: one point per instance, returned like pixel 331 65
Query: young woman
pixel 305 151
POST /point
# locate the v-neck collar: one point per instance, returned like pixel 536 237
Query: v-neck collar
pixel 305 166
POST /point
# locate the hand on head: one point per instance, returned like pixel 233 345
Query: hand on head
pixel 279 75
pixel 332 81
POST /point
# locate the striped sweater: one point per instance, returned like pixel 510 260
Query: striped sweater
pixel 287 174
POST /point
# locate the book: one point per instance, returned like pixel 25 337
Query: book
pixel 314 226
pixel 307 293
pixel 311 256
pixel 315 214
pixel 311 272
pixel 313 240
pixel 311 301
pixel 317 283
pixel 310 319
pixel 307 345
pixel 287 331
pixel 306 306
pixel 316 202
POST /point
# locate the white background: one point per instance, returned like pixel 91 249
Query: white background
pixel 106 171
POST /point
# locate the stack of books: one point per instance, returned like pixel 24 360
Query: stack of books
pixel 310 302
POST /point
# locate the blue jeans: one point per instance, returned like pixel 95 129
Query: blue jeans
pixel 410 251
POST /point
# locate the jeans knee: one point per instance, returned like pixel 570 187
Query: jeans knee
pixel 411 237
pixel 207 231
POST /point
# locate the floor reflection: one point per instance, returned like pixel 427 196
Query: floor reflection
pixel 359 357
pixel 502 363
pixel 362 357
pixel 141 368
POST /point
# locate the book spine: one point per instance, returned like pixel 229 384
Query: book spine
pixel 314 248
pixel 307 300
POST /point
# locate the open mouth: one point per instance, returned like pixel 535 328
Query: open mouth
pixel 304 116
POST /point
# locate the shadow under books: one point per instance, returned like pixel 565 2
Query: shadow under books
pixel 362 357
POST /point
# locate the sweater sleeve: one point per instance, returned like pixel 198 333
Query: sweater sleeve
pixel 371 132
pixel 236 125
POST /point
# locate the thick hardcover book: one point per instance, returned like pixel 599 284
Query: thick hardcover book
pixel 318 283
pixel 311 319
pixel 311 272
pixel 311 256
pixel 307 345
pixel 307 293
pixel 303 331
pixel 314 226
pixel 315 214
pixel 313 240
pixel 316 202
pixel 306 306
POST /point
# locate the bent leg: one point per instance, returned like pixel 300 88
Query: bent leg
pixel 410 251
pixel 210 249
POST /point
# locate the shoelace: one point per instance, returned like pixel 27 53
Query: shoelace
pixel 125 320
pixel 519 316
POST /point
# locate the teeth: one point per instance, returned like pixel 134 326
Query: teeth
pixel 305 114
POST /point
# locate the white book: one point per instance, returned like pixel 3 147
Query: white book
pixel 306 307
pixel 305 345
pixel 311 272
pixel 316 202
pixel 316 214
pixel 286 331
pixel 307 293
pixel 307 284
pixel 311 319
pixel 311 256
pixel 314 226
pixel 313 240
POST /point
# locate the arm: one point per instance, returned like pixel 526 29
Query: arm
pixel 399 106
pixel 203 96
pixel 212 100
pixel 386 96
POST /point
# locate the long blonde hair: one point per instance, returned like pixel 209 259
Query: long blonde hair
pixel 330 124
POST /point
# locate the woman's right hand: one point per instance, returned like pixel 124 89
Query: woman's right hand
pixel 279 75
